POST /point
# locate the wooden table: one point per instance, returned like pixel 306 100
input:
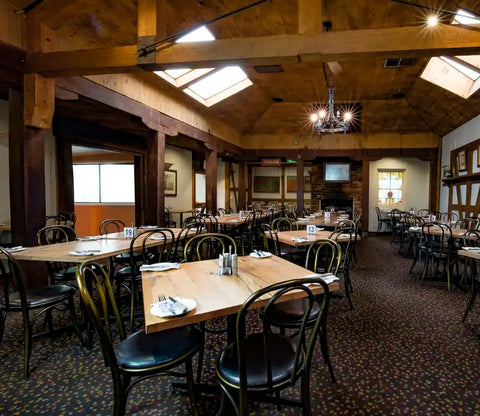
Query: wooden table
pixel 456 232
pixel 109 245
pixel 286 237
pixel 215 295
pixel 320 221
pixel 181 212
pixel 231 220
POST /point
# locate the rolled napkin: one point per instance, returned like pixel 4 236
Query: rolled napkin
pixel 84 252
pixel 260 254
pixel 159 267
pixel 472 249
pixel 15 249
pixel 158 237
pixel 345 235
pixel 172 307
pixel 90 238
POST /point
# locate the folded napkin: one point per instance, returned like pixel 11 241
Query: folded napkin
pixel 15 249
pixel 158 237
pixel 320 229
pixel 472 249
pixel 84 252
pixel 299 239
pixel 148 227
pixel 326 277
pixel 90 238
pixel 168 308
pixel 414 228
pixel 159 267
pixel 345 235
pixel 260 254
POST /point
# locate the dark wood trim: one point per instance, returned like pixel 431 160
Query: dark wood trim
pixel 65 190
pixel 300 187
pixel 138 163
pixel 242 185
pixel 249 184
pixel 154 199
pixel 365 195
pixel 432 191
pixel 211 181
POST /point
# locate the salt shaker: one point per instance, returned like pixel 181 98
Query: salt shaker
pixel 234 265
pixel 220 265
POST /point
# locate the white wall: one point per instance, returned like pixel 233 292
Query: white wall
pixel 466 133
pixel 182 163
pixel 416 185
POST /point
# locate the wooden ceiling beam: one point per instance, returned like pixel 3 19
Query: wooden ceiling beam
pixel 321 47
pixel 150 28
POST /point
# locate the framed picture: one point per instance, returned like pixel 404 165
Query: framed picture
pixel 292 184
pixel 266 184
pixel 170 183
pixel 462 161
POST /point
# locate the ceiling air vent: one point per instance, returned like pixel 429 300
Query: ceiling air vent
pixel 398 62
pixel 268 69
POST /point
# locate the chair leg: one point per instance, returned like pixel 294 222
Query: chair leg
pixel 201 353
pixel 3 318
pixel 27 339
pixel 119 396
pixel 322 336
pixel 471 302
pixel 305 386
pixel 73 316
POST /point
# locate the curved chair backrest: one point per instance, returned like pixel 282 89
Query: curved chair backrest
pixel 450 217
pixel 93 277
pixel 270 239
pixel 346 238
pixel 324 256
pixel 304 341
pixel 162 250
pixel 437 236
pixel 11 281
pixel 111 226
pixel 221 212
pixel 211 222
pixel 187 232
pixel 208 246
pixel 416 221
pixel 471 238
pixel 467 223
pixel 53 234
pixel 345 224
pixel 284 224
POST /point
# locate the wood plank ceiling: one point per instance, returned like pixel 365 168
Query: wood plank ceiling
pixel 421 106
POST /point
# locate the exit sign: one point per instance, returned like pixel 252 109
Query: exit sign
pixel 271 162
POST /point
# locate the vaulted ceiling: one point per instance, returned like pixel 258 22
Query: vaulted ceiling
pixel 419 106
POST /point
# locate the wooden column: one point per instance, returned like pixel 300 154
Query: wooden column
pixel 138 163
pixel 433 186
pixel 300 187
pixel 154 198
pixel 365 195
pixel 27 174
pixel 211 180
pixel 242 185
pixel 65 194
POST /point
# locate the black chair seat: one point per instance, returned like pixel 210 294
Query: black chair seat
pixel 282 350
pixel 125 257
pixel 140 350
pixel 42 296
pixel 291 313
pixel 66 274
pixel 125 274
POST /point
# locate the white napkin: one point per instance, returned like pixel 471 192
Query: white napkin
pixel 320 229
pixel 15 249
pixel 159 267
pixel 90 238
pixel 414 228
pixel 158 237
pixel 326 277
pixel 260 254
pixel 299 239
pixel 472 249
pixel 169 307
pixel 84 252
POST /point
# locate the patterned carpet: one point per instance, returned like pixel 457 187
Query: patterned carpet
pixel 402 351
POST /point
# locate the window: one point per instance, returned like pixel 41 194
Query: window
pixel 390 187
pixel 199 84
pixel 104 183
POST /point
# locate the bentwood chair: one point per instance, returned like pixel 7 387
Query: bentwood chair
pixel 208 246
pixel 130 276
pixel 348 247
pixel 382 220
pixel 138 356
pixel 284 224
pixel 259 365
pixel 324 256
pixel 58 272
pixel 42 299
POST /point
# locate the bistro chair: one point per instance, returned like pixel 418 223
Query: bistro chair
pixel 188 231
pixel 383 220
pixel 467 224
pixel 111 226
pixel 138 356
pixel 43 299
pixel 260 365
pixel 130 276
pixel 448 217
pixel 58 272
pixel 167 219
pixel 322 257
pixel 270 240
pixel 284 224
pixel 208 246
pixel 349 235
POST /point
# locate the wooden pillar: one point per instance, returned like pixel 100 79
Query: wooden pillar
pixel 300 187
pixel 249 185
pixel 65 193
pixel 138 163
pixel 242 185
pixel 27 174
pixel 365 195
pixel 211 180
pixel 154 198
pixel 433 186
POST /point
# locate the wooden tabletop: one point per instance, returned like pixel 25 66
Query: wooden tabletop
pixel 230 219
pixel 109 245
pixel 320 221
pixel 286 237
pixel 215 295
pixel 456 232
pixel 471 254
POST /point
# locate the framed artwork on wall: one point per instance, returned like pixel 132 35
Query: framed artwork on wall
pixel 462 160
pixel 266 184
pixel 170 183
pixel 292 184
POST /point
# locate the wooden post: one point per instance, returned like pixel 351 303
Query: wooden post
pixel 242 185
pixel 211 180
pixel 65 194
pixel 39 101
pixel 300 187
pixel 27 174
pixel 365 195
pixel 138 163
pixel 155 180
pixel 432 195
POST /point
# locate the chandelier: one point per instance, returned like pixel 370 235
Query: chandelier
pixel 326 120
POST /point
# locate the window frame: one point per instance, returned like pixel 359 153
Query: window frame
pixel 402 188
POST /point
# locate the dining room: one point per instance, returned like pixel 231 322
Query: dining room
pixel 224 172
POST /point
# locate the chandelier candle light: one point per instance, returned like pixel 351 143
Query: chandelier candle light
pixel 326 121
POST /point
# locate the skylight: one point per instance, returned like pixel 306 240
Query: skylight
pixel 457 74
pixel 207 89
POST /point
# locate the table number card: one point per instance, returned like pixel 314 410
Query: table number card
pixel 311 229
pixel 327 214
pixel 130 232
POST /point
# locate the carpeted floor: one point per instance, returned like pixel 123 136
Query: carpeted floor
pixel 402 351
